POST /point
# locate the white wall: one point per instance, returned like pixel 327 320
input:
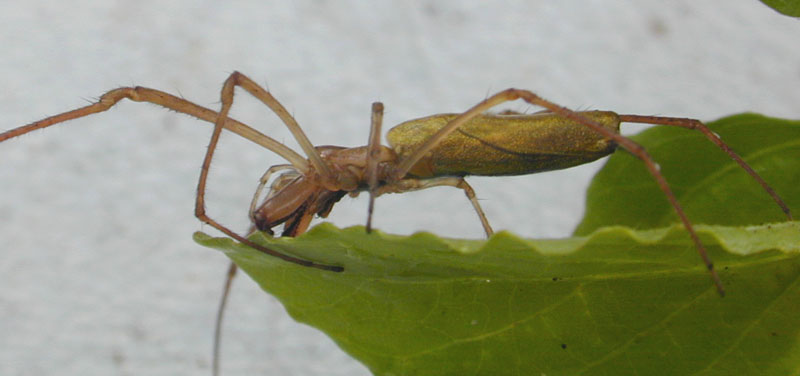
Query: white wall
pixel 99 274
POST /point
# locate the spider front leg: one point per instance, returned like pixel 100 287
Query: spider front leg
pixel 239 79
pixel 226 97
pixel 143 94
pixel 169 101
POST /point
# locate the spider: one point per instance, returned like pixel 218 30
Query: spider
pixel 439 150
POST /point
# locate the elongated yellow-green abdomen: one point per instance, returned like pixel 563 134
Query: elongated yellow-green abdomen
pixel 513 144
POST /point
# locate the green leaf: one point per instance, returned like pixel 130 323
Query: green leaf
pixel 711 188
pixel 616 301
pixel 787 7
